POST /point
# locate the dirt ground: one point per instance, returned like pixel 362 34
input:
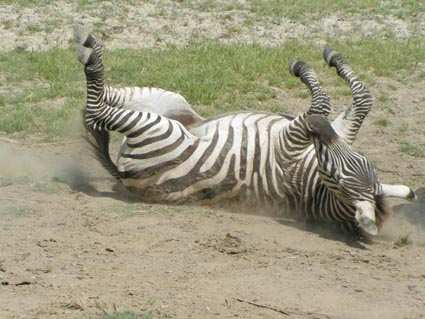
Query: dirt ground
pixel 72 246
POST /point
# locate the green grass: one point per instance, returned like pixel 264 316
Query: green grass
pixel 126 209
pixel 403 241
pixel 415 150
pixel 14 211
pixel 42 91
pixel 382 122
pixel 304 10
pixel 20 180
pixel 26 3
pixel 54 75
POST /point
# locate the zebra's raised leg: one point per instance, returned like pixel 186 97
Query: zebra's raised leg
pixel 348 123
pixel 99 115
pixel 320 103
pixel 140 128
pixel 166 103
pixel 296 136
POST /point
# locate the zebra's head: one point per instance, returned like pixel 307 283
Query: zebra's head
pixel 348 174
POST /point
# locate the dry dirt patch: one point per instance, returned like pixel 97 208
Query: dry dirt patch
pixel 67 251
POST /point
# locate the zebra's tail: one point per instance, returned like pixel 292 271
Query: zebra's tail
pixel 99 143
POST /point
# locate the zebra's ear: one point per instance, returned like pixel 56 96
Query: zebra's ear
pixel 398 191
pixel 324 136
pixel 320 128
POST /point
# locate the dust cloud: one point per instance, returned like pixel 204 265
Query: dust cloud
pixel 407 221
pixel 70 164
pixel 34 165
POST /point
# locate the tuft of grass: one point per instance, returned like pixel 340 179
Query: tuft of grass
pixel 306 9
pixel 382 122
pixel 415 150
pixel 19 180
pixel 127 315
pixel 302 10
pixel 27 3
pixel 127 209
pixel 42 91
pixel 15 211
pixel 212 5
pixel 403 241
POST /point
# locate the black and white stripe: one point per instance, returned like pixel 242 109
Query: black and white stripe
pixel 301 162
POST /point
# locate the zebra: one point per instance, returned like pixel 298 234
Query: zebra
pixel 302 162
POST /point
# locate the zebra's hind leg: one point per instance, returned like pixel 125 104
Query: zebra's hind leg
pixel 90 54
pixel 86 43
pixel 348 123
pixel 320 103
pixel 142 99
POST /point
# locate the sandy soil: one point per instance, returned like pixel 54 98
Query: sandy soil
pixel 72 245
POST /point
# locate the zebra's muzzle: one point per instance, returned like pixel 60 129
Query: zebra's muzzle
pixel 365 216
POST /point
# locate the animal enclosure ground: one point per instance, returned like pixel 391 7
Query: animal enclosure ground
pixel 68 250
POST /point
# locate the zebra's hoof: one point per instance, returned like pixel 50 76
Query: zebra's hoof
pixel 331 56
pixel 90 41
pixel 296 67
pixel 84 55
pixel 81 32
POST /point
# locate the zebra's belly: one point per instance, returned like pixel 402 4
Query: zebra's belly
pixel 232 156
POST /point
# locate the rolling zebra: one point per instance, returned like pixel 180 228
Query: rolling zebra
pixel 302 162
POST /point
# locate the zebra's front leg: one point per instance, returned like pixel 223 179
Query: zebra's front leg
pixel 320 102
pixel 348 123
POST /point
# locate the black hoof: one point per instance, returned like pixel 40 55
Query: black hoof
pixel 297 67
pixel 90 42
pixel 331 57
